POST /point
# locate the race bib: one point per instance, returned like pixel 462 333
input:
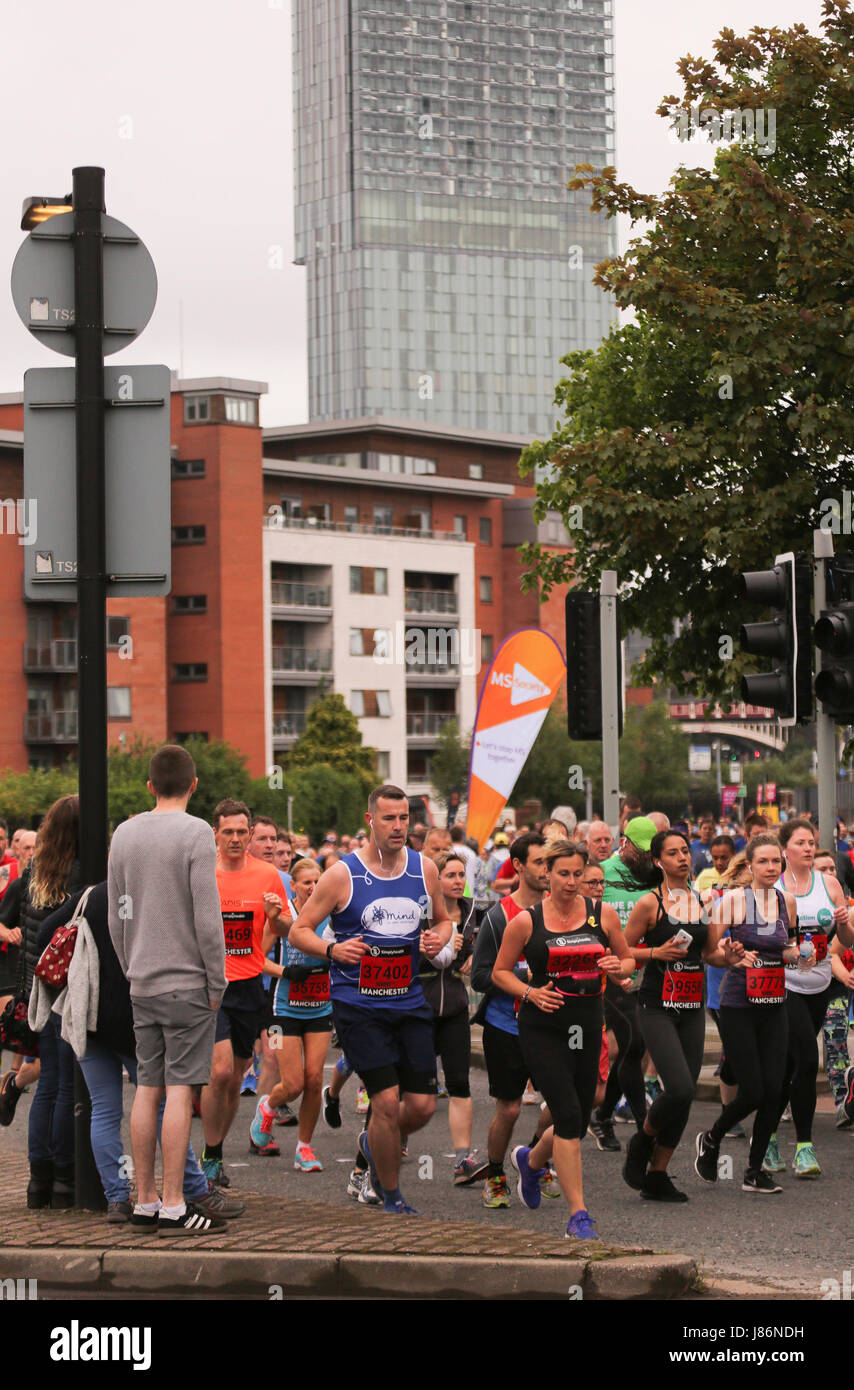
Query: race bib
pixel 386 972
pixel 238 932
pixel 847 958
pixel 766 982
pixel 582 959
pixel 819 941
pixel 310 993
pixel 682 989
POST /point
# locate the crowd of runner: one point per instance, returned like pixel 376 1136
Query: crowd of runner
pixel 231 957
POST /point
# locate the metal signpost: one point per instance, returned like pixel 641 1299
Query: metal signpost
pixel 85 285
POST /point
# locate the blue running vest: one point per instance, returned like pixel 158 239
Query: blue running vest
pixel 389 914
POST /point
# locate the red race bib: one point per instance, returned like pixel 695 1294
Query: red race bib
pixel 766 983
pixel 238 932
pixel 385 972
pixel 582 959
pixel 847 959
pixel 682 989
pixel 819 941
pixel 310 993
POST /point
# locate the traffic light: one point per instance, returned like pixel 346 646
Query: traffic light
pixel 584 666
pixel 787 636
pixel 834 636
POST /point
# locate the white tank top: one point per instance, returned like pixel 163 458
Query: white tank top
pixel 815 915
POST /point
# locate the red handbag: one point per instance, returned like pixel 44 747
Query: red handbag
pixel 55 959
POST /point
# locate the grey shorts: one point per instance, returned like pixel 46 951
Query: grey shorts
pixel 174 1038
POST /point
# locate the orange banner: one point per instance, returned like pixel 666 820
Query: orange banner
pixel 522 680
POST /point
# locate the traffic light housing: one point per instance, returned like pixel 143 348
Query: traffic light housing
pixel 787 636
pixel 834 636
pixel 584 666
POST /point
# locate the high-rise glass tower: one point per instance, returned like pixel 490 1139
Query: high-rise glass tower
pixel 449 268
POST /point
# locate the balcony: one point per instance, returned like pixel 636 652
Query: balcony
pixel 287 728
pixel 59 655
pixel 301 665
pixel 60 726
pixel 424 729
pixel 302 602
pixel 357 528
pixel 440 601
pixel 432 673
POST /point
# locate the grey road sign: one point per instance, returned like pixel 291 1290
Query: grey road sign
pixel 138 482
pixel 43 284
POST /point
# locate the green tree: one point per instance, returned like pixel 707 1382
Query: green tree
pixel 332 737
pixel 449 767
pixel 710 433
pixel 26 795
pixel 653 755
pixel 557 767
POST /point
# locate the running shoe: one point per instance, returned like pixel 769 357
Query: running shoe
pixel 706 1162
pixel 442 1093
pixel 603 1132
pixel 250 1084
pixel 331 1109
pixel 843 1120
pixel 366 1153
pixel 531 1098
pixel 192 1223
pixel 362 1101
pixel 367 1196
pixel 9 1097
pixel 399 1208
pixel 119 1213
pixel 285 1116
pixel 495 1193
pixel 848 1102
pixel 217 1204
pixel 657 1187
pixel 549 1185
pixel 404 1147
pixel 469 1169
pixel 214 1171
pixel 652 1089
pixel 805 1163
pixel 623 1112
pixel 528 1186
pixel 261 1130
pixel 786 1116
pixel 354 1183
pixel 759 1182
pixel 772 1162
pixel 306 1161
pixel 737 1132
pixel 638 1155
pixel 581 1226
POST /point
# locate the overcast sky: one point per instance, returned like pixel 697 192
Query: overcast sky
pixel 187 106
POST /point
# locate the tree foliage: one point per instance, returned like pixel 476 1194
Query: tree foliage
pixel 557 767
pixel 332 737
pixel 701 439
pixel 449 766
pixel 653 756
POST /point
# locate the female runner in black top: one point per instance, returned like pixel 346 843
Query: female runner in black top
pixel 672 1016
pixel 568 942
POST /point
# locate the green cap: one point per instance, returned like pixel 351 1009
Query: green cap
pixel 641 831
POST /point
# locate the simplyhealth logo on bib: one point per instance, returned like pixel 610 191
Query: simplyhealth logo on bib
pixel 392 917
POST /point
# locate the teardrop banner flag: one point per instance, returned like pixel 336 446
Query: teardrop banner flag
pixel 522 680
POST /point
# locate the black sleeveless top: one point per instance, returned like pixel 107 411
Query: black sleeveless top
pixel 674 984
pixel 568 958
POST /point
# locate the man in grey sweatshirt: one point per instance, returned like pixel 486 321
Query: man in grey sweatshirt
pixel 166 927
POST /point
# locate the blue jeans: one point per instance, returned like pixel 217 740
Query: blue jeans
pixel 51 1124
pixel 102 1069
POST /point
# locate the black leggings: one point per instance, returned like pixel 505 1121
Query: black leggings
pixel 755 1039
pixel 626 1074
pixel 806 1015
pixel 723 1071
pixel 452 1041
pixel 564 1064
pixel 675 1039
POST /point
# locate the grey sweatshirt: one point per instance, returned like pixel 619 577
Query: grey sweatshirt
pixel 165 916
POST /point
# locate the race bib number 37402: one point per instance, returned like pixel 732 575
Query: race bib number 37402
pixel 385 972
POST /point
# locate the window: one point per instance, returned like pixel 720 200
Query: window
pixel 357 645
pixel 292 507
pixel 189 603
pixel 486 644
pixel 384 704
pixel 351 518
pixel 190 671
pixel 383 767
pixel 357 703
pixel 485 588
pixel 476 471
pixel 383 518
pixel 239 410
pixel 461 526
pixel 368 581
pixel 484 528
pixel 195 733
pixel 117 628
pixel 188 468
pixel 118 702
pixel 197 409
pixel 189 535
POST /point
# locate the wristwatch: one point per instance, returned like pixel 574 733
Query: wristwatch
pixel 329 950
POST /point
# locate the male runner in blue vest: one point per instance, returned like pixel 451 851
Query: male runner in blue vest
pixel 377 900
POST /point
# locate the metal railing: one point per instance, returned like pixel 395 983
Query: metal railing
pixel 430 601
pixel 430 723
pixel 302 659
pixel 60 654
pixel 295 595
pixel 431 668
pixel 358 528
pixel 60 726
pixel 289 725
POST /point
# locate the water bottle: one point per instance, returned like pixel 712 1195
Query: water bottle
pixel 806 954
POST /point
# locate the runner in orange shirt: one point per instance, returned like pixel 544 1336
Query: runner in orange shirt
pixel 250 892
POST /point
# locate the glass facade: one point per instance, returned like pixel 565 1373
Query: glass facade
pixel 448 266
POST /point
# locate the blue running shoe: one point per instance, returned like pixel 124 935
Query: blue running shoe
pixel 581 1226
pixel 528 1186
pixel 366 1154
pixel 623 1112
pixel 399 1208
